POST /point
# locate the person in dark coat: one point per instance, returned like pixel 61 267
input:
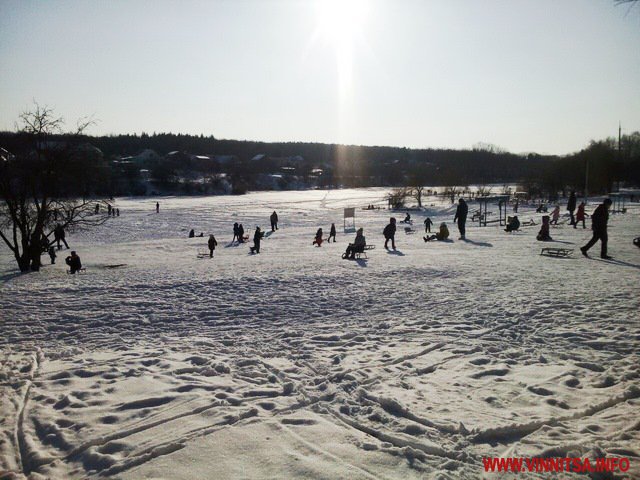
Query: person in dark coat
pixel 332 233
pixel 571 206
pixel 580 216
pixel 108 209
pixel 192 233
pixel 407 219
pixel 389 233
pixel 59 236
pixel 97 207
pixel 240 233
pixel 235 233
pixel 543 234
pixel 157 207
pixel 74 262
pixel 52 254
pixel 427 225
pixel 117 212
pixel 461 217
pixel 318 238
pixel 274 221
pixel 212 243
pixel 356 247
pixel 35 250
pixel 257 236
pixel 513 225
pixel 599 220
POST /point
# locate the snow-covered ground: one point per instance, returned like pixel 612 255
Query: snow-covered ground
pixel 295 363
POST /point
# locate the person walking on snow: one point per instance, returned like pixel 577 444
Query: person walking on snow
pixel 240 233
pixel 571 206
pixel 274 221
pixel 580 216
pixel 461 217
pixel 427 225
pixel 212 243
pixel 555 215
pixel 332 233
pixel 318 238
pixel 58 235
pixel 389 233
pixel 52 254
pixel 157 207
pixel 257 236
pixel 599 220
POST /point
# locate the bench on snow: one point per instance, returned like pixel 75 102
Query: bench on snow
pixel 556 252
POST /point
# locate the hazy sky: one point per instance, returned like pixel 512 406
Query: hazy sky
pixel 535 75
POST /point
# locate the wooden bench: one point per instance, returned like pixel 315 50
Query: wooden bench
pixel 556 252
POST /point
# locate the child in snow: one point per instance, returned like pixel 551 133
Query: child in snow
pixel 543 234
pixel 52 254
pixel 332 233
pixel 427 225
pixel 513 225
pixel 318 239
pixel 257 236
pixel 74 262
pixel 580 216
pixel 442 234
pixel 212 243
pixel 389 233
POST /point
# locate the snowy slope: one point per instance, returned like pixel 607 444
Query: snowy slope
pixel 297 364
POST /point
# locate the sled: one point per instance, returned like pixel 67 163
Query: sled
pixel 409 230
pixel 556 252
pixel 363 254
pixel 203 254
pixel 81 271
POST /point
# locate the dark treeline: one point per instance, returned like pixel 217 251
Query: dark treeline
pixel 318 164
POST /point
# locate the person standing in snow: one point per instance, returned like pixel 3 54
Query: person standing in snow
pixel 318 239
pixel 257 236
pixel 157 207
pixel 461 217
pixel 571 206
pixel 235 233
pixel 427 225
pixel 332 233
pixel 389 233
pixel 274 221
pixel 580 216
pixel 240 233
pixel 599 220
pixel 192 233
pixel 212 243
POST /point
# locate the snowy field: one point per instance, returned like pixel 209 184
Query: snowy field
pixel 297 364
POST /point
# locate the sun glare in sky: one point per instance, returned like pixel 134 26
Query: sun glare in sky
pixel 340 25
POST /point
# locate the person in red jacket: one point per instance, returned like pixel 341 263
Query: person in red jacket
pixel 580 216
pixel 318 238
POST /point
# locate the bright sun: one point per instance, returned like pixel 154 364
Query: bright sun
pixel 340 21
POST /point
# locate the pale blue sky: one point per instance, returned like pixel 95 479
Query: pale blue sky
pixel 536 75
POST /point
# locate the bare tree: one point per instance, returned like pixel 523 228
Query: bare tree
pixel 44 184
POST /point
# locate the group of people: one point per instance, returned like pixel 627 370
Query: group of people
pixel 111 211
